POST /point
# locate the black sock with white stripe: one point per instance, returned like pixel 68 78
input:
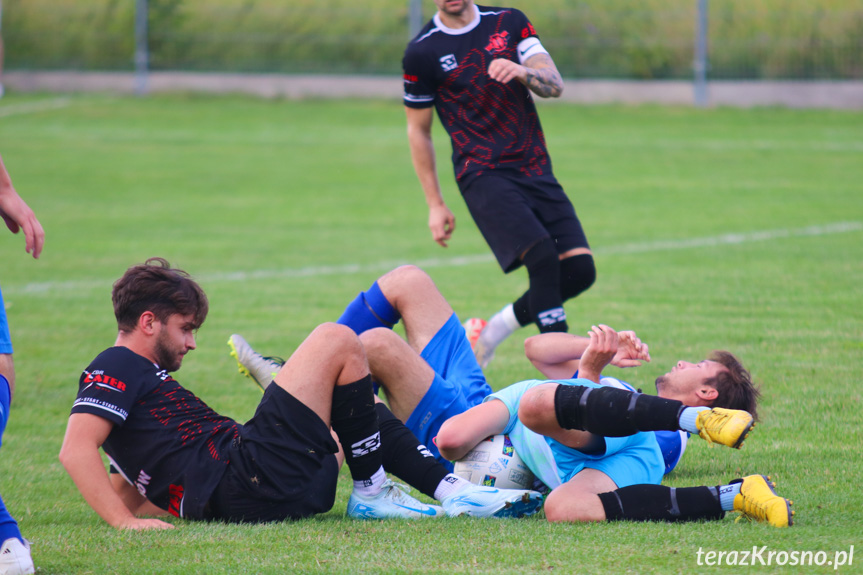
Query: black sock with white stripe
pixel 661 503
pixel 356 423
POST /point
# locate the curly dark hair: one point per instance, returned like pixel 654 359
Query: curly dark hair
pixel 157 287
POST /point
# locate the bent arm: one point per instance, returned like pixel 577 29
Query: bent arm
pixel 538 74
pixel 85 434
pixel 441 219
pixel 543 79
pixel 461 433
pixel 558 355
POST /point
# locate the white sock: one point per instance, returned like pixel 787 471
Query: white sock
pixel 687 418
pixel 371 487
pixel 501 325
pixel 450 485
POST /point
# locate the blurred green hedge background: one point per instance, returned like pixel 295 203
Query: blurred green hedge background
pixel 647 39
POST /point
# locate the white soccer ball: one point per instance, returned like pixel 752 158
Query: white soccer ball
pixel 495 463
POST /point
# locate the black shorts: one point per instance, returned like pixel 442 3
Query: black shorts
pixel 513 212
pixel 282 466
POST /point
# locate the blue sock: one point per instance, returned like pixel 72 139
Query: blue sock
pixel 688 417
pixel 727 494
pixel 370 309
pixel 5 398
pixel 8 525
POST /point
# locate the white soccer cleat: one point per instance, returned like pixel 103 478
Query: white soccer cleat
pixel 261 369
pixel 482 501
pixel 481 350
pixel 15 558
pixel 393 502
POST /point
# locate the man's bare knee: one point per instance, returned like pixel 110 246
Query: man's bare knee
pixel 402 280
pixel 536 408
pixel 571 508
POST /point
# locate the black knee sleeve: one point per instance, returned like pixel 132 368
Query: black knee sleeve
pixel 577 274
pixel 661 503
pixel 613 412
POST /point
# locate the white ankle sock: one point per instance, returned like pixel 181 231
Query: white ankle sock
pixel 501 325
pixel 449 485
pixel 688 416
pixel 373 486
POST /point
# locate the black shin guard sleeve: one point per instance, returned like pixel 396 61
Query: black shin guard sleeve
pixel 613 412
pixel 577 273
pixel 356 423
pixel 661 503
pixel 405 457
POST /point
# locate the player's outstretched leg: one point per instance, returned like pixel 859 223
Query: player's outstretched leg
pixel 752 496
pixel 613 412
pixel 260 369
pixel 405 457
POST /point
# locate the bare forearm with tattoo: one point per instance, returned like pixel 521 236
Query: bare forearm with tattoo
pixel 543 79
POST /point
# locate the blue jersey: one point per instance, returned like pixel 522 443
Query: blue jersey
pixel 493 126
pixel 631 460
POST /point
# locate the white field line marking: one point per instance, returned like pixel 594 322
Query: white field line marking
pixel 33 107
pixel 348 269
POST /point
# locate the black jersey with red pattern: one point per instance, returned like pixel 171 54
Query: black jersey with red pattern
pixel 493 126
pixel 165 440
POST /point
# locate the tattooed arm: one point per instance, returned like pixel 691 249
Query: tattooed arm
pixel 539 74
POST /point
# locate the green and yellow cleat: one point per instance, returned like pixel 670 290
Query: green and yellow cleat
pixel 260 369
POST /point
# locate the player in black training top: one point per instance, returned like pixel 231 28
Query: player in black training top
pixel 478 66
pixel 175 455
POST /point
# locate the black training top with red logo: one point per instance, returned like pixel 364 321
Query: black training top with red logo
pixel 165 440
pixel 493 126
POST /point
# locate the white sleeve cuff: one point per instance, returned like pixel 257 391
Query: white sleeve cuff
pixel 529 47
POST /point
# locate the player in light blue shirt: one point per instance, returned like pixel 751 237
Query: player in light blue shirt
pixel 590 443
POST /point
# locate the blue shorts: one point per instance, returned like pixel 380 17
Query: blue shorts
pixel 5 339
pixel 632 460
pixel 458 385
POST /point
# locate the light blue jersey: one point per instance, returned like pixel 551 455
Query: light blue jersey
pixel 631 460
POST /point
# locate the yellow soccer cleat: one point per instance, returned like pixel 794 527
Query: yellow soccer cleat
pixel 757 500
pixel 726 426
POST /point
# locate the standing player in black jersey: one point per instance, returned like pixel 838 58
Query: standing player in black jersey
pixel 478 67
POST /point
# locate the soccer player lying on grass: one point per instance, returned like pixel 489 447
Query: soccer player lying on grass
pixel 587 442
pixel 428 378
pixel 176 455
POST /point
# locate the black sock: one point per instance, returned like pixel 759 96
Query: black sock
pixel 661 503
pixel 405 457
pixel 613 412
pixel 356 423
pixel 543 272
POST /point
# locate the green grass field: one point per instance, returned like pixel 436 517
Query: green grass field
pixel 737 229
